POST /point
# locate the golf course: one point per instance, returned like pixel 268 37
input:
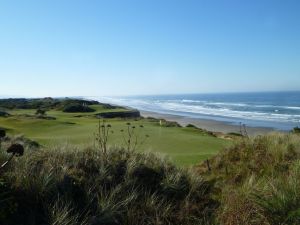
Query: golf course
pixel 184 145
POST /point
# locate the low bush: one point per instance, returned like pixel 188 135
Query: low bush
pixel 235 134
pixel 4 114
pixel 296 130
pixel 119 114
pixel 166 123
pixel 73 108
pixel 201 131
pixel 191 126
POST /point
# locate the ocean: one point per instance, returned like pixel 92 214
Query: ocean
pixel 279 110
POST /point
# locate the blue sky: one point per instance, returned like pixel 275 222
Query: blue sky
pixel 72 48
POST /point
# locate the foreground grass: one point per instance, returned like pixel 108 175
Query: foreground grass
pixel 67 185
pixel 258 181
pixel 253 182
pixel 186 146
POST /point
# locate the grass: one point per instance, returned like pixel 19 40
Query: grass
pixel 257 181
pixel 186 146
pixel 254 181
pixel 66 185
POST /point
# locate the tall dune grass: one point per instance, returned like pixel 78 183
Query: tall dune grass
pixel 254 182
pixel 258 181
pixel 65 185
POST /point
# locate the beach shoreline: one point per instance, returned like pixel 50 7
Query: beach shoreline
pixel 210 125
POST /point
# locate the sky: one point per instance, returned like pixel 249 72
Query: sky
pixel 126 47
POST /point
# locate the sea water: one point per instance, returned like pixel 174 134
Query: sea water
pixel 279 110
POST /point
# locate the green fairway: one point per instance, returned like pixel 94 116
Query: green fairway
pixel 186 146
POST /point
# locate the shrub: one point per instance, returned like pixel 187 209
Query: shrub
pixel 121 114
pixel 296 130
pixel 2 133
pixel 73 108
pixel 202 131
pixel 166 123
pixel 191 126
pixel 235 134
pixel 40 112
pixel 4 114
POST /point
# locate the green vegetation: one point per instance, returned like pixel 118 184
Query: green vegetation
pixel 76 107
pixel 253 182
pixel 44 103
pixel 235 134
pixel 296 130
pixel 40 112
pixel 3 114
pixel 258 181
pixel 119 114
pixel 202 131
pixel 166 123
pixel 56 127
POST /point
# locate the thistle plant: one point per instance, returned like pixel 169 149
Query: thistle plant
pixel 102 135
pixel 132 136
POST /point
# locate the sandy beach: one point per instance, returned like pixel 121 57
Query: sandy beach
pixel 211 125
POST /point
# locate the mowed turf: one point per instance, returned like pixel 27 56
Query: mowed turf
pixel 186 146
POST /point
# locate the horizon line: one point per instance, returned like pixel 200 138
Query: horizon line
pixel 139 95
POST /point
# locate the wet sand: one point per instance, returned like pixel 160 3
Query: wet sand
pixel 211 125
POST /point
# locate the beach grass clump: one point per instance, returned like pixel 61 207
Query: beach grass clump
pixel 70 185
pixel 258 180
pixel 279 197
pixel 263 200
pixel 61 213
pixel 296 130
pixel 266 155
pixel 201 131
pixel 166 123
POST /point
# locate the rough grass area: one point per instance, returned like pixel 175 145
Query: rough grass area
pixel 185 146
pixel 258 181
pixel 253 182
pixel 67 185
